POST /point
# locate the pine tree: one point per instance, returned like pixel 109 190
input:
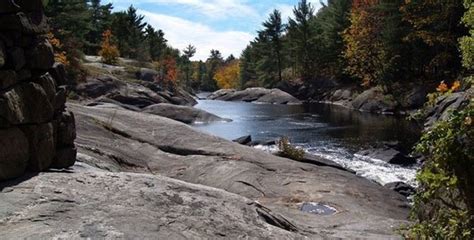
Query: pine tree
pixel 301 36
pixel 188 53
pixel 101 19
pixel 274 29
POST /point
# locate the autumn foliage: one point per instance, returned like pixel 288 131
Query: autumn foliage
pixel 59 54
pixel 109 52
pixel 363 48
pixel 228 76
pixel 168 72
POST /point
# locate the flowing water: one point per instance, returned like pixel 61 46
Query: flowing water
pixel 325 130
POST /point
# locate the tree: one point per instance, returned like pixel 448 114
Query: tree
pixel 273 30
pixel 228 76
pixel 333 19
pixel 467 42
pixel 188 54
pixel 70 23
pixel 301 35
pixel 156 42
pixel 214 62
pixel 435 30
pixel 109 52
pixel 247 68
pixel 128 27
pixel 101 20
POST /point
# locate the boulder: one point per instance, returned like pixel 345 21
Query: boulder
pixel 14 153
pixel 415 98
pixel 60 99
pixel 388 154
pixel 26 6
pixel 445 104
pixel 64 158
pixel 146 74
pixel 257 95
pixel 41 56
pixel 245 140
pixel 375 101
pixel 49 86
pixel 7 78
pixel 402 188
pixel 184 114
pixel 41 146
pixel 99 86
pixel 29 23
pixel 3 54
pixel 277 96
pixel 16 58
pixel 66 130
pixel 58 72
pixel 25 104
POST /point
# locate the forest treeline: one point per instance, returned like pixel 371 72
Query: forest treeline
pixel 360 42
pixel 368 42
pixel 88 27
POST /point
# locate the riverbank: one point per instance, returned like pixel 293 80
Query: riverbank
pixel 131 161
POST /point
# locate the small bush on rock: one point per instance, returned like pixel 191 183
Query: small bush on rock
pixel 289 151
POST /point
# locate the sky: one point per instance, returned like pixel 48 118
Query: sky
pixel 225 25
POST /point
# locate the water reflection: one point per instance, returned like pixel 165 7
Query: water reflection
pixel 328 131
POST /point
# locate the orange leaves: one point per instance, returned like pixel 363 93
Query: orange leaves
pixel 168 71
pixel 228 76
pixel 59 54
pixel 444 88
pixel 108 51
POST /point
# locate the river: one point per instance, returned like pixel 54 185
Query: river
pixel 329 131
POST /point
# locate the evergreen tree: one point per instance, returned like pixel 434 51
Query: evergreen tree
pixel 188 53
pixel 214 62
pixel 301 36
pixel 247 68
pixel 101 21
pixel 156 42
pixel 274 29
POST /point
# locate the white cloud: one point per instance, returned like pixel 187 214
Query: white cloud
pixel 181 32
pixel 287 9
pixel 209 8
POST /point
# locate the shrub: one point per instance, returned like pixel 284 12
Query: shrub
pixel 108 51
pixel 444 205
pixel 289 151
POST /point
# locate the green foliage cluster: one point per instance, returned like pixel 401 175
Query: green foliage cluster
pixel 444 206
pixel 369 42
pixel 289 151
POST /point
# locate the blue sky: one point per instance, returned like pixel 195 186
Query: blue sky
pixel 225 25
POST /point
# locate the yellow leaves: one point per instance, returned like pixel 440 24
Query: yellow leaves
pixel 456 86
pixel 228 76
pixel 108 51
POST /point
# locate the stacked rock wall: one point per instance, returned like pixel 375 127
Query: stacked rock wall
pixel 36 131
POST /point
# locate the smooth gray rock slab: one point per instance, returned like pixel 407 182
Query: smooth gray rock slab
pixel 84 203
pixel 116 140
pixel 184 114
